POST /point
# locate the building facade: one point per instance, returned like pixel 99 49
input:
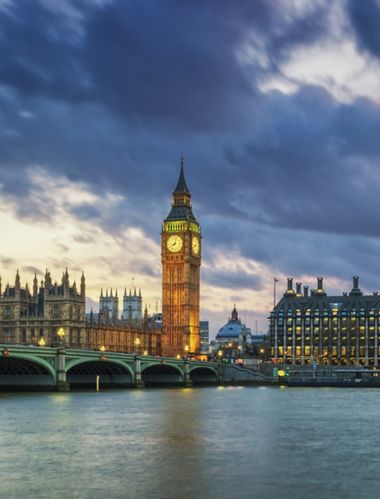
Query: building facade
pixel 181 261
pixel 132 306
pixel 34 317
pixel 204 336
pixel 26 316
pixel 333 330
pixel 108 306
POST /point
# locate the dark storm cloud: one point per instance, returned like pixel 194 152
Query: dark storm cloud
pixel 112 93
pixel 314 165
pixel 233 279
pixel 365 21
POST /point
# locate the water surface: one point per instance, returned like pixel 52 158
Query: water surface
pixel 249 442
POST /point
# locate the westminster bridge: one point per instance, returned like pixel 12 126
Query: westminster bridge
pixel 60 368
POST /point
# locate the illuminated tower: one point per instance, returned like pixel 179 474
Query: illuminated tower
pixel 181 261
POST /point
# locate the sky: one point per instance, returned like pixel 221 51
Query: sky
pixel 275 105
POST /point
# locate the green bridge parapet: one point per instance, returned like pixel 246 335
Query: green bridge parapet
pixel 60 363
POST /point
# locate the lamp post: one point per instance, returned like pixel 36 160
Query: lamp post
pixel 102 348
pixel 186 351
pixel 41 342
pixel 137 345
pixel 220 355
pixel 61 335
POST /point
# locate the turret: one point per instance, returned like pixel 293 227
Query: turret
pixel 83 286
pixel 35 286
pixel 17 281
pixel 320 291
pixel 355 287
pixel 290 290
pixel 65 281
pixel 234 314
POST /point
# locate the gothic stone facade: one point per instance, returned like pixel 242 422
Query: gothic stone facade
pixel 27 317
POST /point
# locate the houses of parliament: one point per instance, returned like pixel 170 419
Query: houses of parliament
pixel 34 316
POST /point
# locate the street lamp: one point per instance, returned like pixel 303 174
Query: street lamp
pixel 61 334
pixel 102 348
pixel 137 344
pixel 42 342
pixel 220 355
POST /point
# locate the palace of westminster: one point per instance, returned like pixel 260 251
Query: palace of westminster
pixel 34 316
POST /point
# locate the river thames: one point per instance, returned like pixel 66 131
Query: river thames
pixel 263 442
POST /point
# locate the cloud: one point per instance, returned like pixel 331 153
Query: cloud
pixel 274 104
pixel 30 269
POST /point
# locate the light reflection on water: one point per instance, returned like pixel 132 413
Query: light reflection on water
pixel 191 443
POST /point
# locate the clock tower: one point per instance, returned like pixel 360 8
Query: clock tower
pixel 181 261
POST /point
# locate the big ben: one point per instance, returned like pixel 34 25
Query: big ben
pixel 181 261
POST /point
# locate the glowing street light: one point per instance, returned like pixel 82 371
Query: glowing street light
pixel 186 348
pixel 220 355
pixel 42 342
pixel 137 344
pixel 61 334
pixel 102 348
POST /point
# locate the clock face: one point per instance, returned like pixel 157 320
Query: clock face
pixel 195 245
pixel 174 244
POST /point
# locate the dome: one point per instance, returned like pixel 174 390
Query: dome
pixel 233 329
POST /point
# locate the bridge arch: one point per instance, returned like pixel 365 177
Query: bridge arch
pixel 23 370
pixel 111 372
pixel 162 373
pixel 203 375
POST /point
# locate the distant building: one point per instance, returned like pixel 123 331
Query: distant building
pixel 108 307
pixel 343 330
pixel 132 306
pixel 204 332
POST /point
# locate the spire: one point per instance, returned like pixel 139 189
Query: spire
pixel 234 315
pixel 35 285
pixel 181 201
pixel 83 285
pixel 181 186
pixel 125 291
pixel 101 292
pixel 17 280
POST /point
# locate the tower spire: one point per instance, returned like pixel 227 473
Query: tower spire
pixel 181 187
